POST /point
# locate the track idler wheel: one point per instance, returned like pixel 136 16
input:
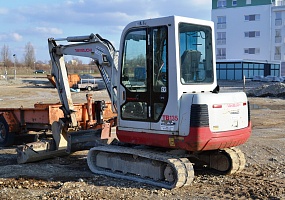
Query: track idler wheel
pixel 225 161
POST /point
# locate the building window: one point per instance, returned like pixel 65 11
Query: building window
pixel 222 22
pixel 278 37
pixel 248 1
pixel 255 17
pixel 278 18
pixel 251 34
pixel 221 3
pixel 221 38
pixel 277 54
pixel 234 3
pixel 251 50
pixel 221 53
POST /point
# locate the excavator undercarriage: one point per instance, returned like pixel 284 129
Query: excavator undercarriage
pixel 167 168
pixel 142 165
pixel 160 167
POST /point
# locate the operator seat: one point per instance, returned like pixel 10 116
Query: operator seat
pixel 190 60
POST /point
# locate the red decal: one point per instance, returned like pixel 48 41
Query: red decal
pixel 170 117
pixel 83 50
pixel 131 99
pixel 231 105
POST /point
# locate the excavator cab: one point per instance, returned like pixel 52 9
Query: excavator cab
pixel 174 55
pixel 175 103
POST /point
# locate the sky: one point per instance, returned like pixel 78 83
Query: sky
pixel 34 21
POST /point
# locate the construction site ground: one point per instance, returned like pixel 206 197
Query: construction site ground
pixel 69 177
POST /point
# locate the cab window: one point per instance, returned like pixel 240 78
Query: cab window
pixel 196 56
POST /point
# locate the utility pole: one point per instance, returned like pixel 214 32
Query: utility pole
pixel 15 72
pixel 35 69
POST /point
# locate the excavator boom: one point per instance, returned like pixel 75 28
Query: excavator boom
pixel 92 46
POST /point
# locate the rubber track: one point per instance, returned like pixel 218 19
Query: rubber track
pixel 190 171
pixel 238 159
pixel 184 169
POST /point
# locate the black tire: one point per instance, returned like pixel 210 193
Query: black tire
pixel 6 138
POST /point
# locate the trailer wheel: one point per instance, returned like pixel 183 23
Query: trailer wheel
pixel 6 138
pixel 89 88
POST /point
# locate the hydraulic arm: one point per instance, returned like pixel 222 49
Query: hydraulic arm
pixel 92 46
pixel 67 130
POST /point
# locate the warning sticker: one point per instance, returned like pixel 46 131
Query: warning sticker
pixel 167 125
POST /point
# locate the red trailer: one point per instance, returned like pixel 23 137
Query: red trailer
pixel 29 123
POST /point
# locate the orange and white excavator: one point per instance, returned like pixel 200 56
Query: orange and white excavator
pixel 170 115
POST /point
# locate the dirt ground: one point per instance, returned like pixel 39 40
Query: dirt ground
pixel 69 177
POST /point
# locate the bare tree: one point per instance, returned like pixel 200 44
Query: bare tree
pixel 29 55
pixel 5 55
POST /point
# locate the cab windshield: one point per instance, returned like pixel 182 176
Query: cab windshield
pixel 196 55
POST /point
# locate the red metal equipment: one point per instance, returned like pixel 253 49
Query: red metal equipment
pixel 19 122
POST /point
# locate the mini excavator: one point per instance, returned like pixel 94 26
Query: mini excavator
pixel 169 116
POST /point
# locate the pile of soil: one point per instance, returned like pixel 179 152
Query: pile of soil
pixel 271 90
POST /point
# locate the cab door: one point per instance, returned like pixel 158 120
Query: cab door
pixel 144 77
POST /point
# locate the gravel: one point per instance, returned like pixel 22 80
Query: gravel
pixel 69 177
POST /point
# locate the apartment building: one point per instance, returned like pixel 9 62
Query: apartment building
pixel 278 30
pixel 250 37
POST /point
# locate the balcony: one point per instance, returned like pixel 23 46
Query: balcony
pixel 279 3
pixel 277 56
pixel 221 57
pixel 221 25
pixel 278 22
pixel 278 39
pixel 221 41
